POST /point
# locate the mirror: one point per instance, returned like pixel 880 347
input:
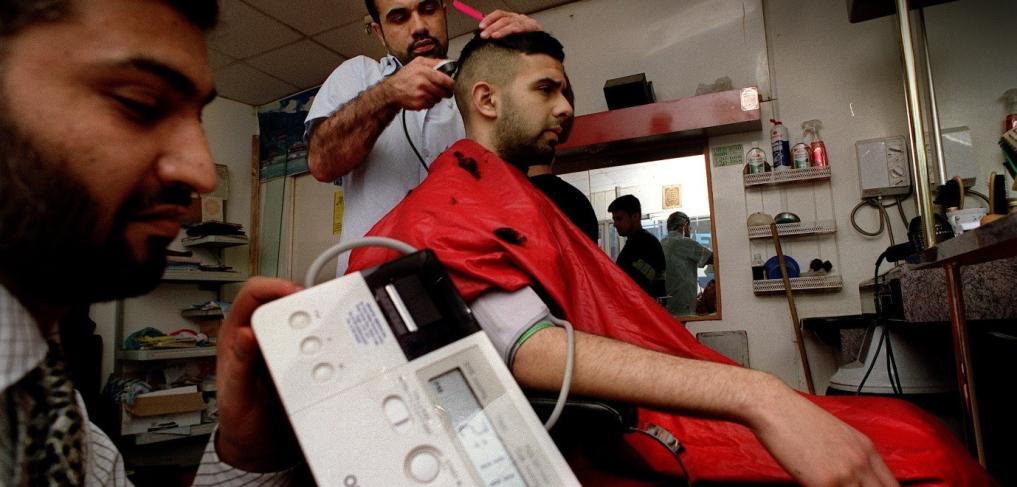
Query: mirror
pixel 664 185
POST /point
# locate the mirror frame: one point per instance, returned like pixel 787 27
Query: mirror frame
pixel 650 149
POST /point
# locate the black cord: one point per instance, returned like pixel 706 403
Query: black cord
pixel 879 317
pixel 893 374
pixel 410 141
pixel 889 374
pixel 891 366
pixel 871 365
pixel 875 282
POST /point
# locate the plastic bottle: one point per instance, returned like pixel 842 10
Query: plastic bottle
pixel 800 156
pixel 756 160
pixel 1011 103
pixel 781 147
pixel 810 132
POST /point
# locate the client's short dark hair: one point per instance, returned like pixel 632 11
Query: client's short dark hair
pixel 628 204
pixel 493 60
pixel 16 15
pixel 537 42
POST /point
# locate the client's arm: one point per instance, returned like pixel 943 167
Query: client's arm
pixel 813 446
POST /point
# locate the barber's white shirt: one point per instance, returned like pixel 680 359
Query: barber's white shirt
pixel 391 169
pixel 22 348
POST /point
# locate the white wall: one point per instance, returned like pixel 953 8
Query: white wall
pixel 229 126
pixel 848 75
pixel 678 44
pixel 845 74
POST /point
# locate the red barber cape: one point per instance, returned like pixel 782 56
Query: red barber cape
pixel 493 230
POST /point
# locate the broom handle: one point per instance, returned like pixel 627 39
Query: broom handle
pixel 795 324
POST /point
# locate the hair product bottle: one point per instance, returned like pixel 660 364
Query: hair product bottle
pixel 756 158
pixel 810 132
pixel 781 148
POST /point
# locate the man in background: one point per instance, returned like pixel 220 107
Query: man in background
pixel 378 125
pixel 684 258
pixel 642 257
pixel 101 146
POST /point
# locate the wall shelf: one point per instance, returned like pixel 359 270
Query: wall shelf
pixel 800 229
pixel 202 276
pixel 215 242
pixel 811 284
pixel 156 437
pixel 166 353
pixel 787 176
pixel 202 314
pixel 688 120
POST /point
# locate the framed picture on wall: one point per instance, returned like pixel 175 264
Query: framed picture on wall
pixel 672 197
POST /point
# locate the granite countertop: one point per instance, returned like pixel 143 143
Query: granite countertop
pixel 990 291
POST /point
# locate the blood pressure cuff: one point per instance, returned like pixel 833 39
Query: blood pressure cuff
pixel 493 231
pixel 509 319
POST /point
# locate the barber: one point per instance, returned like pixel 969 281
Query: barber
pixel 378 125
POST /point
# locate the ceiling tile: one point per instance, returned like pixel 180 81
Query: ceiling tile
pixel 244 31
pixel 303 64
pixel 312 16
pixel 245 84
pixel 350 40
pixel 217 59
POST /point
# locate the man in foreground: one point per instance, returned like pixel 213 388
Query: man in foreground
pixel 101 145
pixel 497 235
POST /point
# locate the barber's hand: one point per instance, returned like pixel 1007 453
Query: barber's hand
pixel 500 23
pixel 816 448
pixel 417 86
pixel 254 432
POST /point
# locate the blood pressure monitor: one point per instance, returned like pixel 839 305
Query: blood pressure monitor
pixel 388 380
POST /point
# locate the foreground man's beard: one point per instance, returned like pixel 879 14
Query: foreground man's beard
pixel 50 246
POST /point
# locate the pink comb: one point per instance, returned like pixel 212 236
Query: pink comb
pixel 468 10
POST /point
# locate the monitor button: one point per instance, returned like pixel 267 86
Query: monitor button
pixel 423 465
pixel 397 413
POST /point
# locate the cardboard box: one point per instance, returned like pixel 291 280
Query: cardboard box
pixel 160 410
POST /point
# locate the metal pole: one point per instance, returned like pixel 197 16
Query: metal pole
pixel 920 168
pixel 937 133
pixel 962 355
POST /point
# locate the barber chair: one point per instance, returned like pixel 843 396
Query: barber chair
pixel 595 438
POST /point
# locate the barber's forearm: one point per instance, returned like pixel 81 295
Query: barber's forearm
pixel 342 141
pixel 613 370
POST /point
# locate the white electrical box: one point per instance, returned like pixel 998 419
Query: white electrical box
pixel 884 167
